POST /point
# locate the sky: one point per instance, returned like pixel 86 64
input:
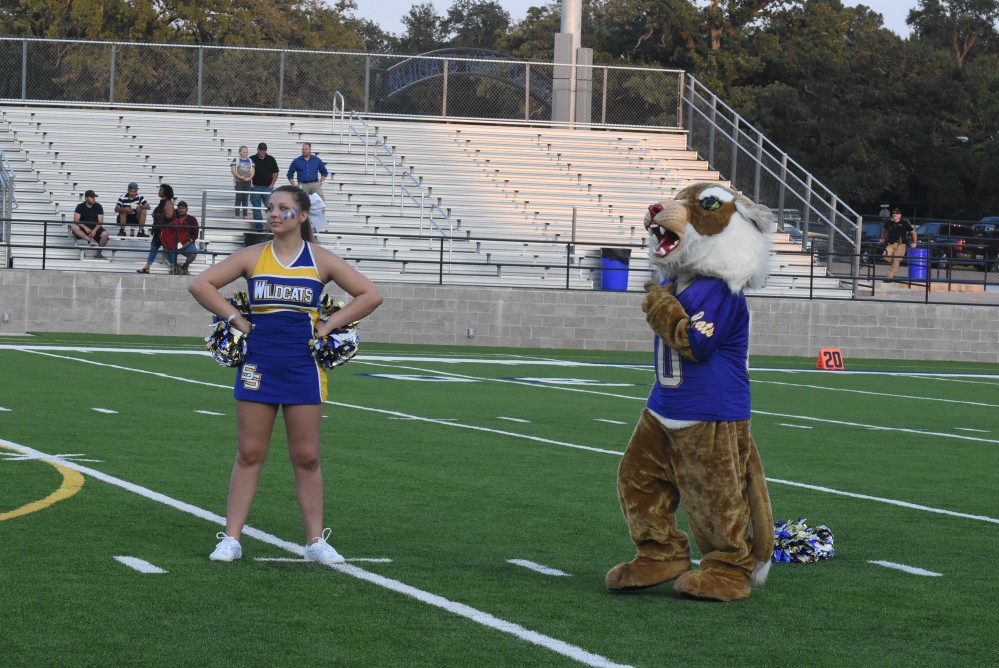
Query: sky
pixel 388 13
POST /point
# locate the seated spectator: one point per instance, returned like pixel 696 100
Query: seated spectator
pixel 180 236
pixel 88 222
pixel 164 214
pixel 131 209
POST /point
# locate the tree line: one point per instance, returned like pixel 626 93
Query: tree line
pixel 913 121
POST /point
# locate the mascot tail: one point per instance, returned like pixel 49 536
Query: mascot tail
pixel 761 517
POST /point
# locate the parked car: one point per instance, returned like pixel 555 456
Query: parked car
pixel 987 250
pixel 871 248
pixel 986 224
pixel 948 243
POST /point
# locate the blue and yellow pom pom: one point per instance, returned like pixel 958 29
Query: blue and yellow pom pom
pixel 342 343
pixel 227 344
pixel 795 541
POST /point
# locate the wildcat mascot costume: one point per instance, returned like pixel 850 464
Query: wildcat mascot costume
pixel 692 442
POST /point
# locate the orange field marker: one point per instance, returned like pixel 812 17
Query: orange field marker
pixel 830 359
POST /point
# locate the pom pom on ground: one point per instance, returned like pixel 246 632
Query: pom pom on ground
pixel 795 541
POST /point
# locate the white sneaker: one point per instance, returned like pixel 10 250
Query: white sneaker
pixel 323 552
pixel 228 548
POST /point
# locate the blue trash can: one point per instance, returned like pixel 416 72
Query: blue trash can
pixel 614 268
pixel 917 264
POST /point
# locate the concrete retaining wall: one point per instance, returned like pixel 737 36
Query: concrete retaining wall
pixel 56 301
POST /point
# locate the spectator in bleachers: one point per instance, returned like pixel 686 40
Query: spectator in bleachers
pixel 131 209
pixel 265 174
pixel 163 215
pixel 180 237
pixel 308 172
pixel 242 174
pixel 88 222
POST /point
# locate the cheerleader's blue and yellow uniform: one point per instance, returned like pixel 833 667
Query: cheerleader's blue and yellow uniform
pixel 284 307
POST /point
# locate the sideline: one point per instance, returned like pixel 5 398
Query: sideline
pixel 460 609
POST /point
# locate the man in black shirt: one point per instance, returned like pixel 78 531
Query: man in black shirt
pixel 896 232
pixel 265 175
pixel 88 222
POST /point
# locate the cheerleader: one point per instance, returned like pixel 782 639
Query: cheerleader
pixel 285 279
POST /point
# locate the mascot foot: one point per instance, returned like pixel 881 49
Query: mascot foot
pixel 714 584
pixel 643 572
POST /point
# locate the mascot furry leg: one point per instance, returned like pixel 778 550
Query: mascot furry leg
pixel 663 465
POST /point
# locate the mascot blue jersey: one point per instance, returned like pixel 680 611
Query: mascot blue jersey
pixel 716 386
pixel 284 308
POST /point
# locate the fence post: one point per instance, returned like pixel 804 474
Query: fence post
pixel 735 151
pixel 111 91
pixel 280 100
pixel 440 264
pixel 603 103
pixel 201 72
pixel 759 166
pixel 367 81
pixel 690 115
pixel 711 131
pixel 781 190
pixel 24 69
pixel 204 212
pixel 527 92
pixel 806 214
pixel 444 92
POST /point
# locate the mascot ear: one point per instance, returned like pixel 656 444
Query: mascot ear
pixel 758 214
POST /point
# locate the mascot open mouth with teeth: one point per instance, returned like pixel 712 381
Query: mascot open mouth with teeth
pixel 692 443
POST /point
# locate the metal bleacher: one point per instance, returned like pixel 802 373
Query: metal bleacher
pixel 522 203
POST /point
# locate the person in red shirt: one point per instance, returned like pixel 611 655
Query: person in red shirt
pixel 180 236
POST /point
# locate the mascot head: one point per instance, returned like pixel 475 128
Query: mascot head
pixel 711 230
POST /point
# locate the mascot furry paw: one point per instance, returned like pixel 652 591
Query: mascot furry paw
pixel 692 443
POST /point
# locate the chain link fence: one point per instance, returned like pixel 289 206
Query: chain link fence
pixel 452 84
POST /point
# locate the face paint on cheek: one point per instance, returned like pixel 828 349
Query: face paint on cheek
pixel 290 214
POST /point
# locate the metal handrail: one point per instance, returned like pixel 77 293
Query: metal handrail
pixel 338 96
pixel 393 172
pixel 820 205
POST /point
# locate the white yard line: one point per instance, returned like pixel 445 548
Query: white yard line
pixel 904 430
pixel 530 565
pixel 140 565
pixel 913 397
pixel 891 502
pixel 460 609
pixel 291 560
pixel 907 569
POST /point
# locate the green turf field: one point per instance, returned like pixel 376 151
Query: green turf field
pixel 473 492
